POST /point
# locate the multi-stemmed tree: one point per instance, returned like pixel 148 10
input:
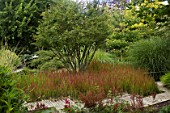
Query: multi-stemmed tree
pixel 73 33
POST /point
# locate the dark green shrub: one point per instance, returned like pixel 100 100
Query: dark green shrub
pixel 46 60
pixel 166 80
pixel 152 54
pixel 11 98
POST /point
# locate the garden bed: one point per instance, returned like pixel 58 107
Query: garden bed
pixel 99 79
pixel 149 103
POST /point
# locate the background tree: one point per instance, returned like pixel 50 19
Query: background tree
pixel 137 21
pixel 19 20
pixel 73 33
pixel 128 28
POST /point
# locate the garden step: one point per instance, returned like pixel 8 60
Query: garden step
pixel 147 101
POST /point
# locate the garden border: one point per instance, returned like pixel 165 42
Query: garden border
pixel 148 101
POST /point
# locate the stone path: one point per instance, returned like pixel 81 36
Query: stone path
pixel 162 97
pixel 57 104
pixel 147 101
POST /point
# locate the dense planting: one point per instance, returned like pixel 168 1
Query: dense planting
pixel 11 98
pixel 117 79
pixel 79 49
pixel 152 54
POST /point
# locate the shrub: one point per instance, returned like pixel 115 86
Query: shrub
pixel 46 60
pixel 152 54
pixel 9 59
pixel 166 80
pixel 11 98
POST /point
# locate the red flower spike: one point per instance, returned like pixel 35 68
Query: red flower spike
pixel 38 105
pixel 67 103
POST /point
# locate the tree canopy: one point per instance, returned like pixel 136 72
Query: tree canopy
pixel 73 33
pixel 19 20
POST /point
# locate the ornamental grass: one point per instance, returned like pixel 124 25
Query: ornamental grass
pixel 98 80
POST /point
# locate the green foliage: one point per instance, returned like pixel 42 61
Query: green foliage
pixel 46 60
pixel 128 28
pixel 9 59
pixel 149 11
pixel 152 54
pixel 135 23
pixel 164 27
pixel 165 109
pixel 74 34
pixel 166 80
pixel 103 57
pixel 19 20
pixel 167 9
pixel 114 106
pixel 11 98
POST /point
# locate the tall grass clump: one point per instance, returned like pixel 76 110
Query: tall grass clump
pixel 152 54
pixel 166 79
pixel 107 77
pixel 103 57
pixel 9 59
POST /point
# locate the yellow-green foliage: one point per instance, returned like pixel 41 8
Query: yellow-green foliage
pixel 166 80
pixel 148 11
pixel 128 27
pixel 9 59
pixel 103 57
